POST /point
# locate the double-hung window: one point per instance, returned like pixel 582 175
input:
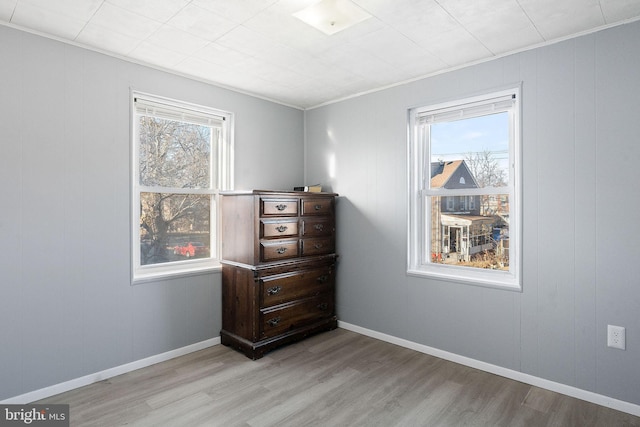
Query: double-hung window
pixel 182 155
pixel 464 190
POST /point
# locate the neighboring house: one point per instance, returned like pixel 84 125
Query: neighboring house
pixel 458 227
pixel 454 175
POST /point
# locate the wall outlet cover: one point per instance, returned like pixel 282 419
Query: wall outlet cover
pixel 616 337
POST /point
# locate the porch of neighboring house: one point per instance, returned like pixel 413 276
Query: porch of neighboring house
pixel 462 236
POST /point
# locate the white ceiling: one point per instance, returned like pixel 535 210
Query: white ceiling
pixel 258 47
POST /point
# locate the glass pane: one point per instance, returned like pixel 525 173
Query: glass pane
pixel 473 233
pixel 481 143
pixel 175 154
pixel 174 227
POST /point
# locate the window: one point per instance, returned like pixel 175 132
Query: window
pixel 181 157
pixel 463 203
pixel 449 203
pixel 466 153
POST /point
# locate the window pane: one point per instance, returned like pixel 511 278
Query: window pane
pixel 482 142
pixel 477 238
pixel 174 227
pixel 175 154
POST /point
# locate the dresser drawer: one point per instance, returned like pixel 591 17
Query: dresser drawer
pixel 281 319
pixel 317 246
pixel 318 206
pixel 277 250
pixel 317 227
pixel 302 284
pixel 278 207
pixel 278 228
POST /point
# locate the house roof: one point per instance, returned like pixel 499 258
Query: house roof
pixel 453 219
pixel 441 172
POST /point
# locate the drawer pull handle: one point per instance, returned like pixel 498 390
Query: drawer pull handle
pixel 323 306
pixel 281 250
pixel 274 290
pixel 281 228
pixel 319 227
pixel 281 207
pixel 274 322
pixel 323 278
pixel 318 245
pixel 317 207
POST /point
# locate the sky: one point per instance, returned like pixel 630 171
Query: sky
pixel 453 140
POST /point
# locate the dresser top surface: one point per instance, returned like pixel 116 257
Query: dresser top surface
pixel 275 193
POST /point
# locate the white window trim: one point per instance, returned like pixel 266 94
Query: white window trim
pixel 418 251
pixel 224 181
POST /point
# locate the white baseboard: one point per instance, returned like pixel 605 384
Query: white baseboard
pixel 585 395
pixel 108 373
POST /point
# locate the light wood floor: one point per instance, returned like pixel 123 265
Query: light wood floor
pixel 337 378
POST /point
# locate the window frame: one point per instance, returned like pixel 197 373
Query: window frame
pixel 419 262
pixel 221 177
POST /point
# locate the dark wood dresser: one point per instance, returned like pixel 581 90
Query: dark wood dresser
pixel 278 268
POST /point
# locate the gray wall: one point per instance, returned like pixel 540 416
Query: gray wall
pixel 581 102
pixel 66 306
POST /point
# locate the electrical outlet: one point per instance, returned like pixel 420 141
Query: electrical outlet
pixel 616 337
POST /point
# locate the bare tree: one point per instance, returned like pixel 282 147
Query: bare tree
pixel 488 173
pixel 486 169
pixel 174 154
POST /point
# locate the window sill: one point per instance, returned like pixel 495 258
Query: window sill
pixel 157 276
pixel 486 279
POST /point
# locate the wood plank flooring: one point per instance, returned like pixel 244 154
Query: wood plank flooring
pixel 337 378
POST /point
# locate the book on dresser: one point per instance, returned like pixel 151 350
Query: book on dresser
pixel 278 268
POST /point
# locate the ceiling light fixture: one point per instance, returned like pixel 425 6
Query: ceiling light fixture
pixel 331 16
